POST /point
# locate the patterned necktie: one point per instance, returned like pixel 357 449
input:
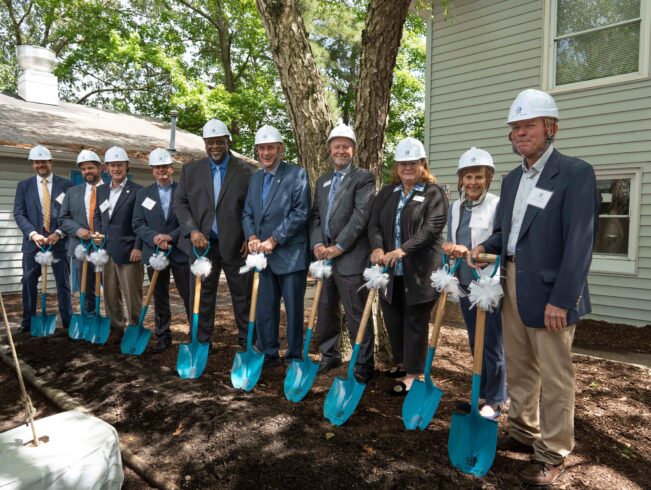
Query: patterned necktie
pixel 91 208
pixel 46 206
pixel 217 187
pixel 331 200
pixel 266 185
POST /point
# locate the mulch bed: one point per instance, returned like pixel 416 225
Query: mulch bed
pixel 204 434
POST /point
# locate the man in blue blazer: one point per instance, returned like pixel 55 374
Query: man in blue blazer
pixel 77 217
pixel 275 221
pixel 123 275
pixel 36 210
pixel 544 231
pixel 155 223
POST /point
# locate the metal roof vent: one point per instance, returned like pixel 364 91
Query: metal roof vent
pixel 37 83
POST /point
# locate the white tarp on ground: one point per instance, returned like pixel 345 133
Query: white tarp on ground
pixel 83 452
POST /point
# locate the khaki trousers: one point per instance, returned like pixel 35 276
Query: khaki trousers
pixel 540 380
pixel 123 280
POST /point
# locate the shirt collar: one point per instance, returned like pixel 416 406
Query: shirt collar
pixel 274 169
pixel 120 187
pixel 48 179
pixel 344 170
pixel 537 167
pixel 223 164
pixel 420 187
pixel 89 186
pixel 166 187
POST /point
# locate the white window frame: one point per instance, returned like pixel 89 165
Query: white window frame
pixel 549 53
pixel 622 265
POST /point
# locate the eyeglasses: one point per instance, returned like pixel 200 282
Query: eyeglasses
pixel 414 163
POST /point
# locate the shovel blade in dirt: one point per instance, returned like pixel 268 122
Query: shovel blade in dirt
pixel 473 439
pixel 300 375
pixel 193 356
pixel 43 325
pixel 78 320
pixel 135 338
pixel 420 404
pixel 247 365
pixel 101 329
pixel 344 394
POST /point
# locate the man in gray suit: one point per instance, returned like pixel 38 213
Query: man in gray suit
pixel 340 214
pixel 77 213
pixel 155 223
pixel 208 204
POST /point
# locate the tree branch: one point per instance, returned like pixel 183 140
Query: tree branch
pixel 110 89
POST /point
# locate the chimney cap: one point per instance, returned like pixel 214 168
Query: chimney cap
pixel 35 58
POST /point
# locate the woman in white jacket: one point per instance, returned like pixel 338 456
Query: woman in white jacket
pixel 470 222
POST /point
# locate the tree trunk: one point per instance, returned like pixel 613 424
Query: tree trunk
pixel 380 42
pixel 301 82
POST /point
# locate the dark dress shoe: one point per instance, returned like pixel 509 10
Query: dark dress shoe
pixel 162 344
pixel 328 364
pixel 510 443
pixel 541 474
pixel 273 362
pixel 363 375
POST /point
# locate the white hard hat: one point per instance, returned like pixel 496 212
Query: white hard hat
pixel 268 134
pixel 409 149
pixel 342 131
pixel 87 156
pixel 475 157
pixel 39 153
pixel 532 103
pixel 215 128
pixel 160 156
pixel 115 154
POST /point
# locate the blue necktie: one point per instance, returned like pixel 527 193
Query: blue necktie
pixel 331 200
pixel 266 185
pixel 216 185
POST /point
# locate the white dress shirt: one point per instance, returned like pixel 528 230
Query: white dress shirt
pixel 87 193
pixel 114 195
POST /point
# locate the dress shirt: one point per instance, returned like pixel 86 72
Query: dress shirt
pixel 87 192
pixel 114 195
pixel 401 204
pixel 528 182
pixel 165 195
pixel 39 181
pixel 217 185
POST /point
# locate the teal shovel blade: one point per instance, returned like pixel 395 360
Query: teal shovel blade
pixel 76 327
pixel 300 375
pixel 193 357
pixel 247 365
pixel 43 325
pixel 344 395
pixel 473 439
pixel 422 399
pixel 135 338
pixel 101 329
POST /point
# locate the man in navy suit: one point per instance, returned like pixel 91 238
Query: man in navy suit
pixel 155 223
pixel 36 210
pixel 275 220
pixel 544 231
pixel 77 217
pixel 123 275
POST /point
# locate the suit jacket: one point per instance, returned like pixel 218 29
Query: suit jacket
pixel 28 212
pixel 147 223
pixel 349 217
pixel 120 237
pixel 554 247
pixel 421 225
pixel 73 215
pixel 285 217
pixel 195 207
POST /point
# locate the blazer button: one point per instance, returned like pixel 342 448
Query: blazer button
pixel 406 289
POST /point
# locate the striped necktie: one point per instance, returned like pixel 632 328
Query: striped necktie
pixel 91 208
pixel 47 203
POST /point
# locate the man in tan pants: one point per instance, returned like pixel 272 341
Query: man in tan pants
pixel 124 274
pixel 544 231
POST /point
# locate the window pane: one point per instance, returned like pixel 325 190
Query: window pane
pixel 612 236
pixel 613 233
pixel 581 15
pixel 600 54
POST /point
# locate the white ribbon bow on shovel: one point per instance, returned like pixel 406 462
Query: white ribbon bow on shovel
pixel 444 280
pixel 256 261
pixel 320 269
pixel 376 278
pixel 486 291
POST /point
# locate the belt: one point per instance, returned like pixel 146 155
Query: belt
pixel 510 258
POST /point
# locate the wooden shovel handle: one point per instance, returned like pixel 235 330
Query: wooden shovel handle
pixel 438 319
pixel 491 258
pixel 479 340
pixel 197 295
pixel 84 271
pixel 44 282
pixel 152 286
pixel 365 316
pixel 315 303
pixel 98 283
pixel 254 296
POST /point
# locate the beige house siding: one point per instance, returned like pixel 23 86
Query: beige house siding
pixel 480 57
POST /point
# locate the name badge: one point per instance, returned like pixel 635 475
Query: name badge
pixel 478 220
pixel 148 203
pixel 539 197
pixel 419 198
pixel 326 184
pixel 60 197
pixel 104 206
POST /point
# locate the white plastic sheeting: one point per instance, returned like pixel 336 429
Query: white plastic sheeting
pixel 83 452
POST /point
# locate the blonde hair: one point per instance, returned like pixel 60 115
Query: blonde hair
pixel 488 173
pixel 425 175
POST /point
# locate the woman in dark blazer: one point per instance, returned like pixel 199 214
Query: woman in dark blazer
pixel 405 229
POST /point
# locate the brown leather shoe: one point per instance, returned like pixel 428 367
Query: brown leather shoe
pixel 541 474
pixel 510 443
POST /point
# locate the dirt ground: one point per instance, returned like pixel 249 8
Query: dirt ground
pixel 204 434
